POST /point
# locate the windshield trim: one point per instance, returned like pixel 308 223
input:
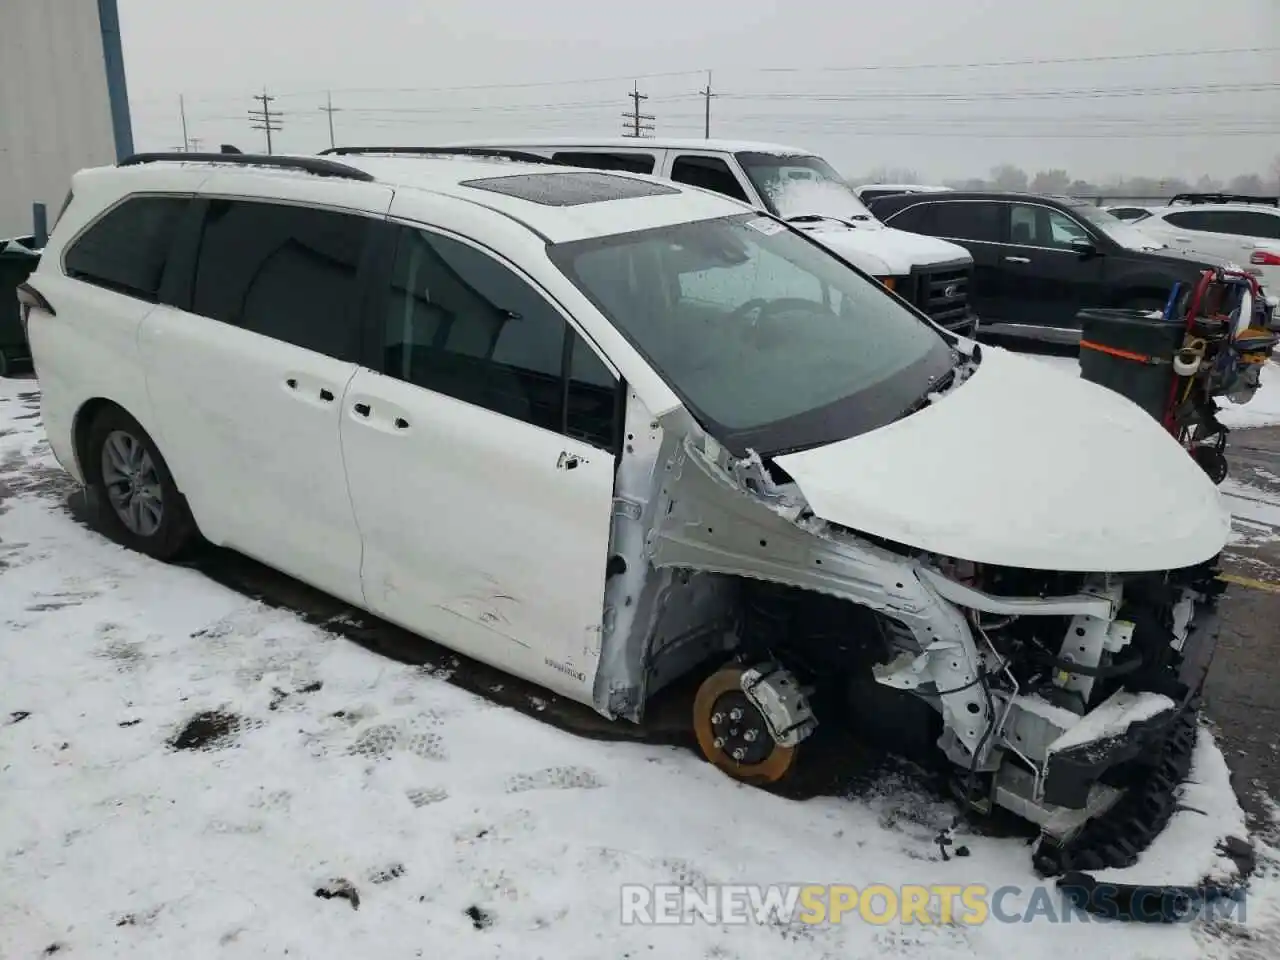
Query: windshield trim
pixel 870 408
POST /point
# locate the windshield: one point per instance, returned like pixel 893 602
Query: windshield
pixel 1125 234
pixel 800 186
pixel 771 341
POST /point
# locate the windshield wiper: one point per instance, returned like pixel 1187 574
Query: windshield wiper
pixel 817 217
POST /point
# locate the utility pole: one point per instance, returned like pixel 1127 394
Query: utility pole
pixel 637 129
pixel 182 110
pixel 331 110
pixel 707 95
pixel 267 119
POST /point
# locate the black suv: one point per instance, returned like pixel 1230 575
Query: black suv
pixel 1039 260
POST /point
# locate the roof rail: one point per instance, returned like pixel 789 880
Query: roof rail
pixel 1224 198
pixel 321 168
pixel 519 155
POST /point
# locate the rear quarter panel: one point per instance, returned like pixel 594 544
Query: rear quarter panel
pixel 89 350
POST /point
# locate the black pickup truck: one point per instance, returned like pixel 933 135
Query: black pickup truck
pixel 1039 260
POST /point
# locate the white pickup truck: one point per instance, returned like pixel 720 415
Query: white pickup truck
pixel 931 274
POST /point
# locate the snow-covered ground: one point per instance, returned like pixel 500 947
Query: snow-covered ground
pixel 182 769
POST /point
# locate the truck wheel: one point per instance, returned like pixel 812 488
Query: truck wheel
pixel 136 502
pixel 733 735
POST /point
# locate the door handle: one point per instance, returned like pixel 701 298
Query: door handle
pixel 326 395
pixel 362 409
pixel 568 461
pixel 1018 259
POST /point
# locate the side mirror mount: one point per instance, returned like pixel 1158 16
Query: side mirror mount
pixel 1087 249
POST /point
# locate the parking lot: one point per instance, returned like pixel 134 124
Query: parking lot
pixel 217 730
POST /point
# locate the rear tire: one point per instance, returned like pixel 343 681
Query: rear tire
pixel 133 495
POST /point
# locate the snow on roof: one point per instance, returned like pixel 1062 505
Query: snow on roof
pixel 645 143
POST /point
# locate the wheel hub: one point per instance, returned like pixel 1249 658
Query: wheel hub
pixel 739 728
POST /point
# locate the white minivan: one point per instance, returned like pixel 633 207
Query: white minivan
pixel 933 275
pixel 604 431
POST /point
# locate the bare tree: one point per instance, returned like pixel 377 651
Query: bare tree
pixel 1249 183
pixel 1051 181
pixel 1008 177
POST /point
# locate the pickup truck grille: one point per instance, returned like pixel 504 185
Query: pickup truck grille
pixel 942 292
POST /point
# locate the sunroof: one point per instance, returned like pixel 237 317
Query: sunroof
pixel 570 188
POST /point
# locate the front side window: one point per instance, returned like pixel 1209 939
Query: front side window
pixel 768 338
pixel 1036 226
pixel 1248 223
pixel 710 173
pixel 461 323
pixel 286 272
pixel 126 251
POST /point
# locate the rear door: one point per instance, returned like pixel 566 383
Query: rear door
pixel 247 373
pixel 974 225
pixel 480 447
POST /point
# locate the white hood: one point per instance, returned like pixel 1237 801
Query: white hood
pixel 883 251
pixel 1023 465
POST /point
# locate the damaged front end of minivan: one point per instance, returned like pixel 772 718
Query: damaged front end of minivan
pixel 1067 697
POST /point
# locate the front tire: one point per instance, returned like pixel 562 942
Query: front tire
pixel 134 497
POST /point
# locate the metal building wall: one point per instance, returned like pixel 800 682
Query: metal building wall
pixel 55 103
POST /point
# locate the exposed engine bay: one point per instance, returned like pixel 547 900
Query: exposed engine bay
pixel 1049 694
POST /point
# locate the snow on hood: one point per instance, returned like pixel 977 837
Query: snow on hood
pixel 853 232
pixel 884 251
pixel 1024 466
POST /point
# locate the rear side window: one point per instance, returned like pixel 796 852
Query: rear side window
pixel 916 219
pixel 286 272
pixel 629 162
pixel 1240 223
pixel 710 173
pixel 966 221
pixel 1194 220
pixel 461 323
pixel 126 250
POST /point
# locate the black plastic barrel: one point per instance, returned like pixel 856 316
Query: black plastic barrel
pixel 17 261
pixel 1130 352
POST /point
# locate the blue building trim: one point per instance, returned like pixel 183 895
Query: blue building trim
pixel 117 90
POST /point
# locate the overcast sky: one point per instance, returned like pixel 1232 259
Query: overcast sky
pixel 865 84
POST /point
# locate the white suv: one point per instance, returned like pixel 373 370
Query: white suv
pixel 933 275
pixel 1244 230
pixel 604 431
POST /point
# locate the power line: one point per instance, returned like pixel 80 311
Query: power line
pixel 1032 61
pixel 638 129
pixel 267 119
pixel 983 97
